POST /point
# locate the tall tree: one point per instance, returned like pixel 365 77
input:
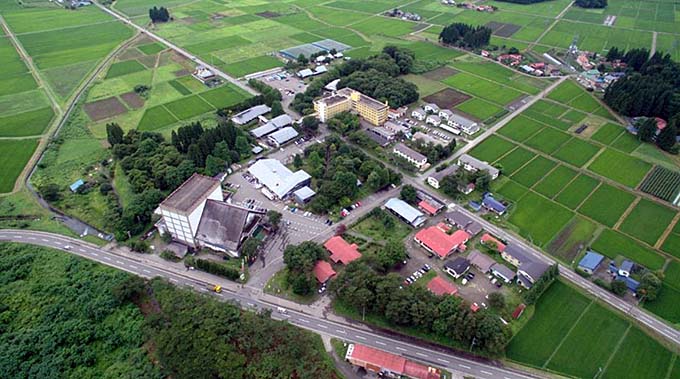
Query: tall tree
pixel 114 133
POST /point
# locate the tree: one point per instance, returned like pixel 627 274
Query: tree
pixel 250 247
pixel 310 125
pixel 300 260
pixel 49 192
pixel 408 194
pixel 114 133
pixel 646 129
pixel 649 288
pixel 242 146
pixel 302 60
pixel 159 14
pixel 214 165
pixel 274 218
pixel 667 138
pixel 389 256
pixel 482 180
pixel 618 287
pixel 497 300
pixel 277 109
pixel 591 3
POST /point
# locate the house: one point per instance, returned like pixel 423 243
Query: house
pixel 321 69
pixel 431 108
pixel 76 185
pixel 515 255
pixel 445 114
pixel 584 62
pixel 529 272
pixel 394 114
pixel 481 261
pixel 196 215
pixel 631 283
pixel 436 178
pixel 341 251
pixel 433 120
pixel 428 208
pixel 250 114
pixel 467 189
pixel 457 268
pixel 304 195
pixel 493 205
pixel 282 136
pixel 203 74
pixel 405 212
pixel 472 164
pixel 277 178
pixel 590 262
pixel 387 365
pixel 412 156
pixel 437 240
pixel 441 287
pixel 384 133
pixel 463 221
pixel 502 272
pixel 323 271
pixel 419 114
pixel 489 239
pixel 463 123
pixel 396 128
pixel 626 268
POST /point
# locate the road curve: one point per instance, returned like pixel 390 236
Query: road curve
pixel 478 368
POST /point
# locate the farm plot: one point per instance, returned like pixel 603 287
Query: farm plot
pixel 672 244
pixel 576 152
pixel 103 109
pixel 188 107
pixel 491 149
pixel 612 244
pixel 501 75
pixel 548 140
pixel 124 68
pixel 533 171
pixel 156 118
pixel 224 96
pixel 521 128
pixel 577 191
pixel 383 26
pixel 14 154
pixel 647 221
pixel 539 219
pixel 151 48
pixel 662 183
pixel 133 100
pixel 31 123
pixel 447 98
pixel 512 191
pixel 555 181
pixel 483 88
pixel 479 108
pixel 607 133
pixel 667 304
pixel 620 167
pixel 565 92
pixel 249 66
pixel 626 143
pixel 606 204
pixel 635 348
pixel 595 37
pixel 514 160
pixel 569 242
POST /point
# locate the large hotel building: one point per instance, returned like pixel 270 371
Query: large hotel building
pixel 347 99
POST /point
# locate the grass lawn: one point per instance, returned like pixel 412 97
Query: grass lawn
pixel 613 244
pixel 556 312
pixel 576 152
pixel 579 189
pixel 156 118
pixel 569 242
pixel 124 68
pixel 548 140
pixel 521 128
pixel 512 191
pixel 533 171
pixel 224 96
pixel 29 123
pixel 606 204
pixel 636 348
pixel 539 219
pixel 188 107
pixel 251 65
pixel 514 160
pixel 647 221
pixel 555 181
pixel 373 227
pixel 491 149
pixel 590 343
pixel 14 154
pixel 278 286
pixel 620 167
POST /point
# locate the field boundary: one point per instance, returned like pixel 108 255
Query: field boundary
pixel 618 346
pixel 547 361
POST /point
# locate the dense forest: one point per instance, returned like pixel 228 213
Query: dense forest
pixel 375 76
pixel 66 317
pixel 466 36
pixel 591 3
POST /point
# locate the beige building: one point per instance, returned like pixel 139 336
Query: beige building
pixel 347 99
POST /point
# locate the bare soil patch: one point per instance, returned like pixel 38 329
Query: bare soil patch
pixel 503 29
pixel 149 61
pixel 133 100
pixel 268 14
pixel 188 20
pixel 172 55
pixel 440 73
pixel 182 72
pixel 447 98
pixel 103 109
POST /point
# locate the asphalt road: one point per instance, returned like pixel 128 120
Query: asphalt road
pixel 478 369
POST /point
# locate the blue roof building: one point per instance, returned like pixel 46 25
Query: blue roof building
pixel 631 283
pixel 493 205
pixel 77 184
pixel 626 268
pixel 590 262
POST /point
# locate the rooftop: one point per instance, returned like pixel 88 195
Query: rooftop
pixel 458 265
pixel 491 202
pixel 427 207
pixel 341 251
pixel 441 243
pixel 304 193
pixel 250 114
pixel 463 221
pixel 404 210
pixel 223 224
pixel 323 271
pixel 461 120
pixel 191 193
pixel 438 176
pixel 503 271
pixel 477 164
pixel 284 135
pixel 407 151
pixel 591 260
pixel 500 246
pixel 277 177
pixel 481 260
pixel 440 286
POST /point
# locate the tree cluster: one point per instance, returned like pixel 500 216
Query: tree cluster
pixel 452 184
pixel 368 293
pixel 300 260
pixel 466 36
pixel 591 3
pixel 650 286
pixel 336 166
pixel 344 123
pixel 159 14
pixel 269 95
pixel 408 194
pixel 532 295
pixel 434 151
pixel 392 61
pixel 213 149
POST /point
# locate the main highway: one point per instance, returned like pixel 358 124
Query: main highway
pixel 478 368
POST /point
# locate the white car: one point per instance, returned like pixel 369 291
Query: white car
pixel 67 247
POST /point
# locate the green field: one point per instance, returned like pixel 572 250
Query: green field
pixel 548 140
pixel 512 191
pixel 647 221
pixel 577 191
pixel 188 107
pixel 479 108
pixel 539 219
pixel 482 88
pixel 569 242
pixel 606 204
pixel 521 128
pixel 156 118
pixel 491 149
pixel 620 167
pixel 576 152
pixel 555 181
pixel 29 123
pixel 514 160
pixel 124 68
pixel 534 171
pixel 224 96
pixel 502 75
pixel 613 244
pixel 14 154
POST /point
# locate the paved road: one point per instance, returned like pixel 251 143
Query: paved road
pixel 191 279
pixel 178 49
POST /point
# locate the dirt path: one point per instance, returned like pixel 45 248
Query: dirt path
pixel 668 231
pixel 653 49
pixel 549 28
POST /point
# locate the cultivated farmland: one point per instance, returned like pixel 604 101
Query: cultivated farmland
pixel 14 154
pixel 662 183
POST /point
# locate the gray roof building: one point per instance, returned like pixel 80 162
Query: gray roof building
pixel 190 193
pixel 272 125
pixel 282 136
pixel 250 114
pixel 462 221
pixel 460 120
pixel 304 194
pixel 225 226
pixel 471 163
pixel 278 178
pixel 503 272
pixel 457 267
pixel 409 154
pixel 435 179
pixel 405 211
pixel 482 261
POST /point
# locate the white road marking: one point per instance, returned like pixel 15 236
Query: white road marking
pixel 19 237
pixel 421 354
pixel 322 326
pixel 82 250
pixel 400 348
pixel 135 267
pixel 147 271
pixel 107 258
pixel 95 254
pixel 464 366
pixel 32 238
pixel 120 263
pixel 340 331
pixel 361 338
pixel 303 320
pixel 442 360
pixel 171 279
pixel 380 343
pixel 485 372
pixel 44 240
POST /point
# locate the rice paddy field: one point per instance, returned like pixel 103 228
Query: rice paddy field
pixel 572 335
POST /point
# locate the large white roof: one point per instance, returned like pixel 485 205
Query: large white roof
pixel 277 177
pixel 403 209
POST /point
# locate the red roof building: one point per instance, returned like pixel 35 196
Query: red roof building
pixel 436 240
pixel 518 311
pixel 474 307
pixel 323 271
pixel 341 251
pixel 440 286
pixel 427 207
pixel 486 238
pixel 660 123
pixel 379 361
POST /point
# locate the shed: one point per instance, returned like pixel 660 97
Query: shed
pixel 590 262
pixel 626 268
pixel 304 195
pixel 77 184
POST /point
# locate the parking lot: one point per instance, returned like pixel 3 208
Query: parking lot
pixel 289 85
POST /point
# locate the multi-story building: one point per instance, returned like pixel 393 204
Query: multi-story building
pixel 329 106
pixel 347 99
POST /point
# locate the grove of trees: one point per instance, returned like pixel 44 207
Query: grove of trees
pixel 591 3
pixel 300 260
pixel 466 36
pixel 159 14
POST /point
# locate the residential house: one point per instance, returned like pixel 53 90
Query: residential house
pixel 428 208
pixel 323 271
pixel 493 205
pixel 433 120
pixel 436 178
pixel 626 268
pixel 590 262
pixel 387 365
pixel 419 114
pixel 405 212
pixel 431 108
pixel 394 114
pixel 445 114
pixel 457 268
pixel 437 240
pixel 463 221
pixel 489 239
pixel 529 272
pixel 463 123
pixel 502 272
pixel 412 156
pixel 481 261
pixel 472 164
pixel 203 74
pixel 341 251
pixel 441 287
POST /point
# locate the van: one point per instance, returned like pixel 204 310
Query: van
pixel 281 310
